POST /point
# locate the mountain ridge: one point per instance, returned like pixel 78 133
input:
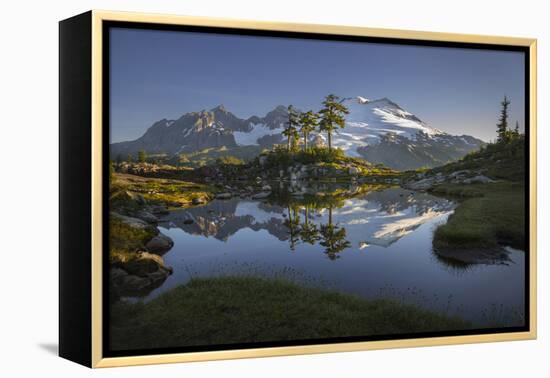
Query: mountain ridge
pixel 378 130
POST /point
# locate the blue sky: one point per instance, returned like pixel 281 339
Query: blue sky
pixel 165 74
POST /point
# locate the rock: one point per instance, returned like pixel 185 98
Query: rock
pixel 117 274
pixel 140 200
pixel 261 195
pixel 160 244
pixel 266 188
pixel 262 160
pixel 147 217
pixel 198 200
pixel 423 184
pixel 354 171
pixel 144 264
pixel 223 195
pixel 478 179
pixel 188 221
pixel 126 284
pixel 459 174
pixel 132 222
pixel 159 209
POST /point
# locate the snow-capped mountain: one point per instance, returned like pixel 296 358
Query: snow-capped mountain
pixel 379 130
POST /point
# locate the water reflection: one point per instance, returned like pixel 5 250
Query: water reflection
pixel 355 239
pixel 331 218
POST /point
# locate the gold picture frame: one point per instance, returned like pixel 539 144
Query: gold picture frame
pixel 96 18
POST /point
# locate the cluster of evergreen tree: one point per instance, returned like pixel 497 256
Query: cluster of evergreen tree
pixel 328 119
pixel 505 134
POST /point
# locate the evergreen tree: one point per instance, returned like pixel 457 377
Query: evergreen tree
pixel 308 123
pixel 332 116
pixel 291 132
pixel 502 125
pixel 142 156
pixel 516 129
pixel 129 158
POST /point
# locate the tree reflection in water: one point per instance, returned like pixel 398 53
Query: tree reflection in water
pixel 331 236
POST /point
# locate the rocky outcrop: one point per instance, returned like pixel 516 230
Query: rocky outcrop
pixel 136 273
pixel 426 181
pixel 139 276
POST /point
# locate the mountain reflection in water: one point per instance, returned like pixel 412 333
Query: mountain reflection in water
pixel 373 243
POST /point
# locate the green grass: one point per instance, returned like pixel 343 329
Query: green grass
pixel 488 215
pixel 125 241
pixel 246 309
pixel 157 190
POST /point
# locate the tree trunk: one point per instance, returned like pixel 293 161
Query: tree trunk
pixel 288 146
pixel 329 140
pixel 305 141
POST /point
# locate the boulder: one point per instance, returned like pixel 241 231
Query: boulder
pixel 125 284
pixel 223 195
pixel 198 200
pixel 147 217
pixel 266 188
pixel 144 264
pixel 132 222
pixel 459 174
pixel 160 244
pixel 159 210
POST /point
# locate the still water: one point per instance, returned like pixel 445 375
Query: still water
pixel 377 244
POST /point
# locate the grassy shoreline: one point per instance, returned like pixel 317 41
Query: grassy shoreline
pixel 248 309
pixel 488 216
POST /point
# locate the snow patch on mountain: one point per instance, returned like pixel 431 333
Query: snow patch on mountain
pixel 257 131
pixel 368 121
